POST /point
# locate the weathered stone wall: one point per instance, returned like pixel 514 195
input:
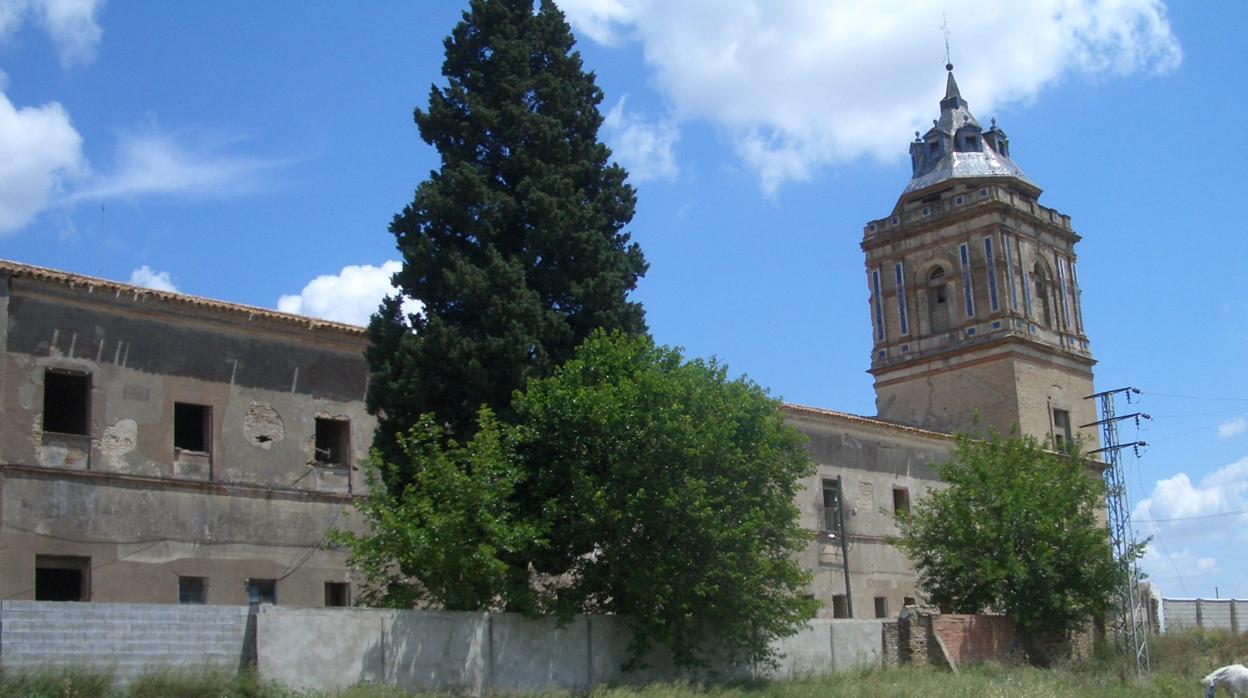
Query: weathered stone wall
pixel 872 458
pixel 254 503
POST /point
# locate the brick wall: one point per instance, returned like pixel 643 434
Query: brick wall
pixel 126 637
pixel 969 639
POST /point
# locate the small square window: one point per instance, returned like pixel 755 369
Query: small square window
pixel 927 210
pixel 193 590
pixel 62 578
pixel 970 332
pixel 905 348
pixel 996 325
pixel 896 220
pixel 883 353
pixel 901 500
pixel 333 441
pixel 261 591
pixel 192 427
pixel 337 594
pixel 908 601
pixel 840 606
pixel 67 402
pixel 881 607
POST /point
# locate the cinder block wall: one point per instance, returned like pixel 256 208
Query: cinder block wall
pixel 129 638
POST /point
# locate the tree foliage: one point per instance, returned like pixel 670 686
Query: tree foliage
pixel 1017 531
pixel 635 483
pixel 515 246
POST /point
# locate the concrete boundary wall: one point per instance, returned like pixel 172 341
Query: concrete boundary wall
pixel 328 649
pixel 475 653
pixel 1211 614
pixel 127 638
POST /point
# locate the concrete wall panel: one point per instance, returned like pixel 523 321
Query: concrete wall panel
pixel 535 655
pixel 321 649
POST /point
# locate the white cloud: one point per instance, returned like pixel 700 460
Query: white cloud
pixel 147 277
pixel 798 84
pixel 645 149
pixel 39 151
pixel 1176 500
pixel 71 24
pixel 1232 427
pixel 151 162
pixel 350 296
pixel 1181 565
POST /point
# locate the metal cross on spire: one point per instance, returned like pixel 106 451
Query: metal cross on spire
pixel 944 27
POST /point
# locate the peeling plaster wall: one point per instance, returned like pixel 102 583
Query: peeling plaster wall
pixel 254 504
pixel 872 460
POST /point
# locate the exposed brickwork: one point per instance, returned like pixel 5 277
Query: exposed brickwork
pixel 970 639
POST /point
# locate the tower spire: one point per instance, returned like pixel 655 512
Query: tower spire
pixel 944 27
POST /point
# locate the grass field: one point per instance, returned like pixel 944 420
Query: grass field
pixel 1178 663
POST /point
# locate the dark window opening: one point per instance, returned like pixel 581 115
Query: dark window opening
pixel 901 500
pixel 1042 294
pixel 192 425
pixel 840 606
pixel 333 441
pixel 67 402
pixel 881 607
pixel 1061 429
pixel 937 300
pixel 62 578
pixel 261 591
pixel 337 594
pixel 908 601
pixel 831 505
pixel 192 590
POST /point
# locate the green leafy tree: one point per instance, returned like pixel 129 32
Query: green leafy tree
pixel 515 246
pixel 635 483
pixel 1016 530
pixel 442 539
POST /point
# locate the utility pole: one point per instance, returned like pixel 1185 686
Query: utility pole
pixel 840 525
pixel 1131 626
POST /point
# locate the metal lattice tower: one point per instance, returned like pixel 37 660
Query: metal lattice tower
pixel 1131 624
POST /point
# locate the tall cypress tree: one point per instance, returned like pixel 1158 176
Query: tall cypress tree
pixel 515 246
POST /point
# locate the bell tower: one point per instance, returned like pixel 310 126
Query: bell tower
pixel 974 297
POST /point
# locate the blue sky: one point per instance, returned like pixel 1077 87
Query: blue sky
pixel 255 152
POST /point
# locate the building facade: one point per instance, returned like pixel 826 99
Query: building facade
pixel 156 447
pixel 976 323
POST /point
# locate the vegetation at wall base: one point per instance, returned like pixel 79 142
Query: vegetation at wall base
pixel 516 246
pixel 1179 662
pixel 1015 531
pixel 633 482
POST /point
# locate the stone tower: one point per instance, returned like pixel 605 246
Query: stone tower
pixel 975 303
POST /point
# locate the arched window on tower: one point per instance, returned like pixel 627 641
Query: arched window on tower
pixel 1043 293
pixel 937 300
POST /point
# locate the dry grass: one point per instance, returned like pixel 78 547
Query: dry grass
pixel 1178 663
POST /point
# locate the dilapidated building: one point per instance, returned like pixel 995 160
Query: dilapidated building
pixel 159 447
pixel 156 447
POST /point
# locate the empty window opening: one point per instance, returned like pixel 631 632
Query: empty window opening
pixel 67 402
pixel 840 606
pixel 62 578
pixel 193 590
pixel 192 425
pixel 337 594
pixel 831 506
pixel 901 501
pixel 1042 294
pixel 908 601
pixel 333 441
pixel 881 607
pixel 938 300
pixel 1061 429
pixel 261 591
